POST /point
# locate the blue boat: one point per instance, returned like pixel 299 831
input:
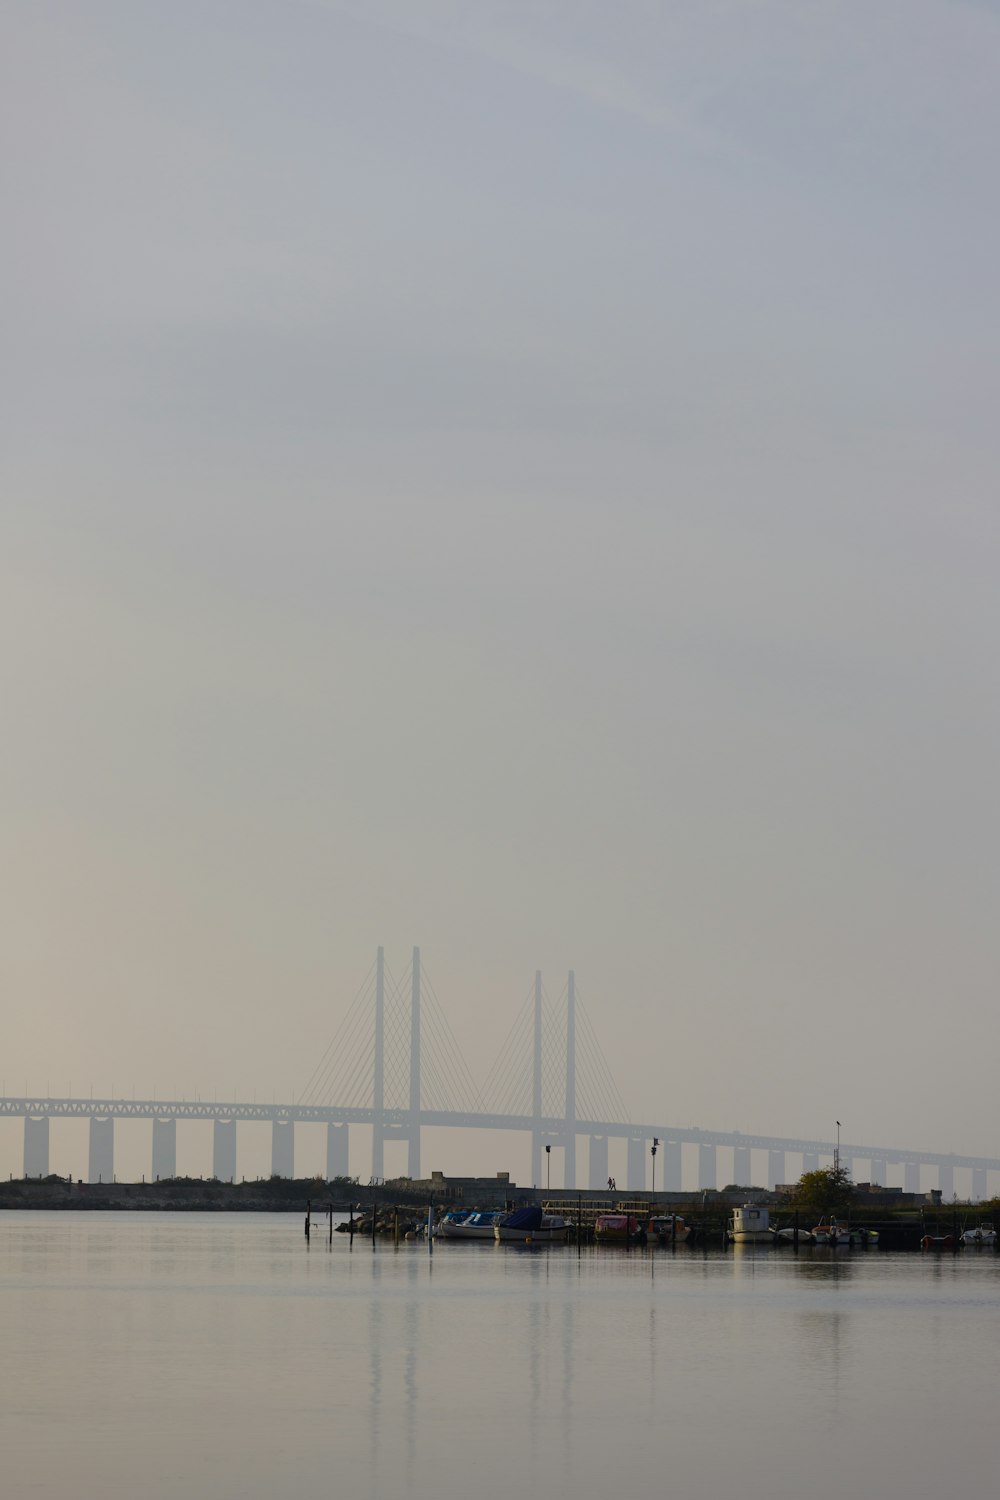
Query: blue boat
pixel 468 1224
pixel 531 1226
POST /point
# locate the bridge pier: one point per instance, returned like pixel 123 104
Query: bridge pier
pixel 707 1168
pixel 635 1168
pixel 979 1191
pixel 810 1161
pixel 101 1157
pixel 742 1167
pixel 879 1171
pixel 946 1182
pixel 911 1177
pixel 282 1148
pixel 224 1150
pixel 847 1165
pixel 36 1145
pixel 164 1149
pixel 775 1169
pixel 338 1155
pixel 673 1166
pixel 597 1166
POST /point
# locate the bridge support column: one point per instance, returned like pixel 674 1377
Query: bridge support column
pixel 775 1169
pixel 946 1182
pixel 164 1149
pixel 742 1167
pixel 635 1169
pixel 224 1150
pixel 36 1146
pixel 673 1166
pixel 879 1171
pixel 337 1151
pixel 597 1168
pixel 282 1148
pixel 911 1177
pixel 847 1164
pixel 101 1163
pixel 707 1170
pixel 979 1184
pixel 810 1161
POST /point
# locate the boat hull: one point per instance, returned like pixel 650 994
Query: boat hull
pixel 450 1231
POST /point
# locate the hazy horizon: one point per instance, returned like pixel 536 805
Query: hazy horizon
pixel 518 481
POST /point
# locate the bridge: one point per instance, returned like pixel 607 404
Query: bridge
pixel 396 1068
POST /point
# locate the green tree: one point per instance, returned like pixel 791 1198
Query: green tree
pixel 824 1193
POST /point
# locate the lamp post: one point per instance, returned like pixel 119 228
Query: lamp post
pixel 548 1166
pixel 836 1156
pixel 652 1152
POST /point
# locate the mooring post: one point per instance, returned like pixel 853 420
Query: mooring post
pixel 430 1227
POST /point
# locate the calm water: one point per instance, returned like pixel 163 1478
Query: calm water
pixel 213 1355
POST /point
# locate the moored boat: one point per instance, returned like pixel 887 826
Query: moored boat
pixel 789 1235
pixel 668 1229
pixel 938 1242
pixel 984 1234
pixel 615 1229
pixel 831 1233
pixel 530 1226
pixel 468 1224
pixel 750 1225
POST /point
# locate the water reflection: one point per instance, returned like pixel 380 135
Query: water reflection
pixel 222 1358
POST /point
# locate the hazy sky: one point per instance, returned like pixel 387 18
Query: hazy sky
pixel 518 478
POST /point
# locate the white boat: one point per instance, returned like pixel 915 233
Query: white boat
pixel 529 1226
pixel 790 1235
pixel 750 1225
pixel 831 1233
pixel 468 1224
pixel 985 1234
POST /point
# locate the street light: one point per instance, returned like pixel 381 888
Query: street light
pixel 652 1152
pixel 548 1166
pixel 836 1159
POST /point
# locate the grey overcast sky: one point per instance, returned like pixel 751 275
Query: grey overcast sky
pixel 518 478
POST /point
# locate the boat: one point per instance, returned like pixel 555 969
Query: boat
pixel 789 1235
pixel 615 1229
pixel 750 1225
pixel 530 1226
pixel 469 1224
pixel 865 1237
pixel 938 1242
pixel 668 1229
pixel 831 1233
pixel 985 1234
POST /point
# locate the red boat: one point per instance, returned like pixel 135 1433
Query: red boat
pixel 938 1242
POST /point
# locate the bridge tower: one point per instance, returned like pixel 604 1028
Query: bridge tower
pixel 569 1156
pixel 536 1087
pixel 414 1154
pixel 378 1101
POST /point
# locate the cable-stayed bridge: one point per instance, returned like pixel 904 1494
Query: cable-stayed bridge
pixel 395 1067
